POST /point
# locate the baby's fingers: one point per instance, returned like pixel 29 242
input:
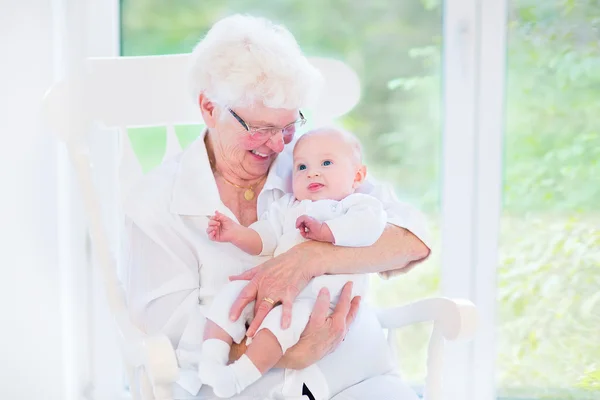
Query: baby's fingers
pixel 301 222
pixel 304 232
pixel 220 217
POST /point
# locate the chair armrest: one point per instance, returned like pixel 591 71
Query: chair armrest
pixel 153 353
pixel 453 319
pixel 131 339
pixel 160 365
pixel 456 318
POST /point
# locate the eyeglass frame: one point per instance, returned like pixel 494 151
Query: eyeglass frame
pixel 253 130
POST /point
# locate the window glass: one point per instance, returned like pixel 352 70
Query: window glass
pixel 549 273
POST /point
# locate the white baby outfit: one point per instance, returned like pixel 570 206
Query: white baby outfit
pixel 356 221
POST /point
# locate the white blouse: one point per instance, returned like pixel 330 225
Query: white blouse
pixel 173 270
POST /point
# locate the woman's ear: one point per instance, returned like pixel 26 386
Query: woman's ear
pixel 208 110
pixel 361 175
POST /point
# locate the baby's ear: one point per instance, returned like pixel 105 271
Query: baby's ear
pixel 361 175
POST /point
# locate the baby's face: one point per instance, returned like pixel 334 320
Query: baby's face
pixel 325 168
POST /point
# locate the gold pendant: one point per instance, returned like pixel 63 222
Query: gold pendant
pixel 249 194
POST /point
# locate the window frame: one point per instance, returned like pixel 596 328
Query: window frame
pixel 474 67
pixel 93 362
pixel 104 40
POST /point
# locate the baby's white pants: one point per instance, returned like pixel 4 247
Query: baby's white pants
pixel 301 309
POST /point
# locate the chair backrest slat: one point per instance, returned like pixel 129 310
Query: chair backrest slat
pixel 173 145
pixel 140 91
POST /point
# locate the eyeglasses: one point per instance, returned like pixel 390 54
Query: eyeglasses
pixel 268 132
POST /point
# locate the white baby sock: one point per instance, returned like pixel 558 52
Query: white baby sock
pixel 215 354
pixel 230 380
pixel 245 373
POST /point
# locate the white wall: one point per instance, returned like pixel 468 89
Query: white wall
pixel 31 361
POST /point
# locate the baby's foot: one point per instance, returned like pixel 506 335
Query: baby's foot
pixel 230 380
pixel 215 354
pixel 219 377
pixel 223 382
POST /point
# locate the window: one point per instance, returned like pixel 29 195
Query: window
pixel 548 279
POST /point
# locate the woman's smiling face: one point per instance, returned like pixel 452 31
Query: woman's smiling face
pixel 250 155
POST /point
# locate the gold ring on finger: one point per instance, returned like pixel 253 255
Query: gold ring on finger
pixel 269 300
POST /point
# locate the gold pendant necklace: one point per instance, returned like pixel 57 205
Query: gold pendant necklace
pixel 248 193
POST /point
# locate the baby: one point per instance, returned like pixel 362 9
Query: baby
pixel 327 170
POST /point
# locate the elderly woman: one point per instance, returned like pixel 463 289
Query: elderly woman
pixel 250 80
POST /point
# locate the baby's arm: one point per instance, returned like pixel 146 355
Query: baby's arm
pixel 361 225
pixel 269 227
pixel 313 229
pixel 223 229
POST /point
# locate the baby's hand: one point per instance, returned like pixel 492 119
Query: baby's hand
pixel 221 228
pixel 313 229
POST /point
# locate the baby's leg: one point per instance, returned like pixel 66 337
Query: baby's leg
pixel 221 307
pixel 262 355
pixel 267 347
pixel 286 338
pixel 215 350
pixel 214 331
pixel 220 332
pixel 264 351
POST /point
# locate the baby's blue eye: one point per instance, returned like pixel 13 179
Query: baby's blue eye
pixel 327 163
pixel 301 167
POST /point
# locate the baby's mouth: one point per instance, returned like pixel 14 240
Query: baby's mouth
pixel 313 187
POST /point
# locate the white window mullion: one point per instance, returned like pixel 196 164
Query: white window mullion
pixel 74 260
pixel 102 33
pixel 488 189
pixel 458 185
pixel 474 81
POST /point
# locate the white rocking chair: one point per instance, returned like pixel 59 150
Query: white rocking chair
pixel 150 91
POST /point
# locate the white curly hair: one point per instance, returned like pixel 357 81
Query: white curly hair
pixel 245 60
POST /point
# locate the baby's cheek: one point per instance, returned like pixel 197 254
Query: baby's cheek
pixel 300 191
pixel 296 186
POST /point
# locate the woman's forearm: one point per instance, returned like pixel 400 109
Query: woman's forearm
pixel 396 250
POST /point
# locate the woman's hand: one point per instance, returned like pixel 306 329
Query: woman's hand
pixel 280 279
pixel 324 332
